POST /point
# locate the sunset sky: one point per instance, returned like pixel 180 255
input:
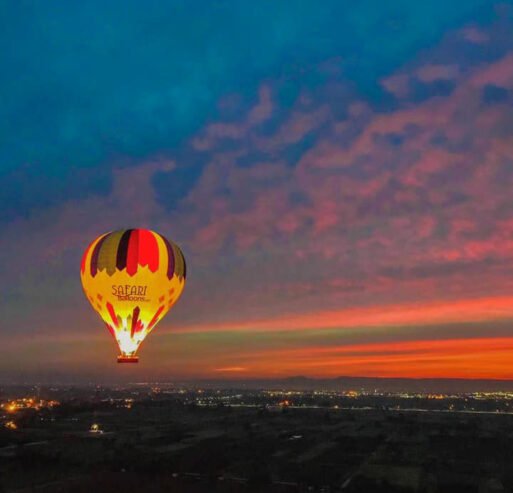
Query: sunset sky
pixel 339 176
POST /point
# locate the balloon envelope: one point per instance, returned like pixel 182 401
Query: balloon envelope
pixel 132 278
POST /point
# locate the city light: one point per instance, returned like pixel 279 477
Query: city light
pixel 95 428
pixel 15 405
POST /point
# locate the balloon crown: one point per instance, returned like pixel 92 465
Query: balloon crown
pixel 130 249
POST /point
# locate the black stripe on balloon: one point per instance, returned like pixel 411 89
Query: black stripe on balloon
pixel 171 258
pixel 184 265
pixel 123 249
pixel 96 254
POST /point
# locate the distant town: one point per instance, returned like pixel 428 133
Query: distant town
pixel 187 438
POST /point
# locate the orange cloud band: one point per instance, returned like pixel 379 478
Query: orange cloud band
pixel 427 313
pixel 453 358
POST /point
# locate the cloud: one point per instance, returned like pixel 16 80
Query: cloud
pixel 398 85
pixel 231 369
pixel 472 358
pixel 489 309
pixel 475 35
pixel 216 133
pixel 431 73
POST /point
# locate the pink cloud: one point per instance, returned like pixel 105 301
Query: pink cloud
pixel 382 213
pixel 215 132
pixel 475 35
pixel 296 127
pixel 263 109
pixel 434 72
pixel 499 73
pixel 398 85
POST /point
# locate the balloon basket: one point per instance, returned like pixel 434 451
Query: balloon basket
pixel 128 359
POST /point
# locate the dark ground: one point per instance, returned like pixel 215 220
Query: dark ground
pixel 174 445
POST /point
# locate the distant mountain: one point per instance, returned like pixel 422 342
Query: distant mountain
pixel 300 382
pixel 456 385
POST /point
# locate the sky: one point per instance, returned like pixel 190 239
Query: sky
pixel 337 174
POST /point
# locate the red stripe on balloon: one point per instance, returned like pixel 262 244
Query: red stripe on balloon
pixel 84 258
pixel 155 318
pixel 135 319
pixel 112 314
pixel 132 257
pixel 111 330
pixel 148 250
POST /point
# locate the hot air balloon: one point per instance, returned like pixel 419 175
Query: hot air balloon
pixel 132 278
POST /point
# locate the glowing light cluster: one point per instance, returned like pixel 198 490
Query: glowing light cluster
pixel 27 403
pixel 95 428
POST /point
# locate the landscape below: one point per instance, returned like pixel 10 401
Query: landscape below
pixel 205 437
